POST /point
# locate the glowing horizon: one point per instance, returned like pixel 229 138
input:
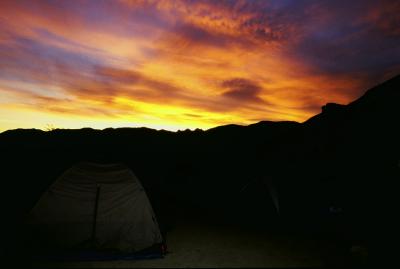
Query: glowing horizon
pixel 180 64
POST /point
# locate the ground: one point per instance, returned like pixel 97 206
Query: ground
pixel 194 244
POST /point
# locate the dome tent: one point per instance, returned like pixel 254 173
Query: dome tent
pixel 100 207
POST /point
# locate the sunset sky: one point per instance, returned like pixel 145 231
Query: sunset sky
pixel 188 64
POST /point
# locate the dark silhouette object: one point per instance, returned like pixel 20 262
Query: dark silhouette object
pixel 72 215
pixel 347 156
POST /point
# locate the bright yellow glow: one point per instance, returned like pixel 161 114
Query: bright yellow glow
pixel 161 64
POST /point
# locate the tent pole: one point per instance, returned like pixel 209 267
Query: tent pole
pixel 273 193
pixel 93 237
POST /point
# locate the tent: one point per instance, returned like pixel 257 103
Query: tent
pixel 266 187
pixel 95 207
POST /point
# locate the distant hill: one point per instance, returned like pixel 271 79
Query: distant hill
pixel 342 157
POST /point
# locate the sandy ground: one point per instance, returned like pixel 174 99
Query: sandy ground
pixel 198 245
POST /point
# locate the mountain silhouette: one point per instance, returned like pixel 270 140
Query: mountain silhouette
pixel 344 158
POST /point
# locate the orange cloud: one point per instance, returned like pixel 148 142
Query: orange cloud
pixel 187 64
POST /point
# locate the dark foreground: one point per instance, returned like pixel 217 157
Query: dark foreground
pixel 193 244
pixel 334 177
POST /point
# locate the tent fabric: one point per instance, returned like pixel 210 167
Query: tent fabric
pixel 68 216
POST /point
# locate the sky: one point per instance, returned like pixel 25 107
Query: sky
pixel 188 64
